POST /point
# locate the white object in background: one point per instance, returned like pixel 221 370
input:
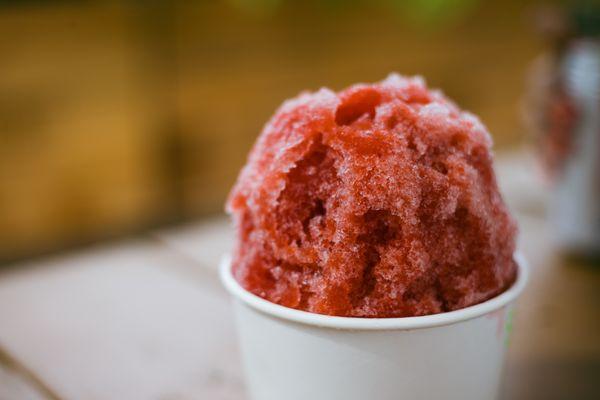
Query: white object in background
pixel 296 355
pixel 575 209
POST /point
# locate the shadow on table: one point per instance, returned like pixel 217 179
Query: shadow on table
pixel 553 380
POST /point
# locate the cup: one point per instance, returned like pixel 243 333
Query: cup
pixel 290 354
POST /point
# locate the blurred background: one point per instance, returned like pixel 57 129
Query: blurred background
pixel 123 125
pixel 120 116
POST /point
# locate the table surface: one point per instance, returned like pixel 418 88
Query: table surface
pixel 147 319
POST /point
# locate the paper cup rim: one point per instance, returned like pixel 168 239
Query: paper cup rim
pixel 358 323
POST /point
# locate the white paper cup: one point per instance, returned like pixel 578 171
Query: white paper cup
pixel 296 355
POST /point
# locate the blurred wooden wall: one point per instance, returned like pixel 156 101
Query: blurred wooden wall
pixel 116 118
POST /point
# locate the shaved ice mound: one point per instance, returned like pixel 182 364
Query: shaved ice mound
pixel 377 201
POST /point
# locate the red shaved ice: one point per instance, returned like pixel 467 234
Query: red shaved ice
pixel 377 201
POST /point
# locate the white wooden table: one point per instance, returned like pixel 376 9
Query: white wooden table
pixel 147 318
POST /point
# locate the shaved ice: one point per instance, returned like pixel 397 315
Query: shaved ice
pixel 377 201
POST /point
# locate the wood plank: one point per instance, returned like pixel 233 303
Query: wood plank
pixel 14 386
pixel 204 242
pixel 556 317
pixel 115 323
pixel 521 183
